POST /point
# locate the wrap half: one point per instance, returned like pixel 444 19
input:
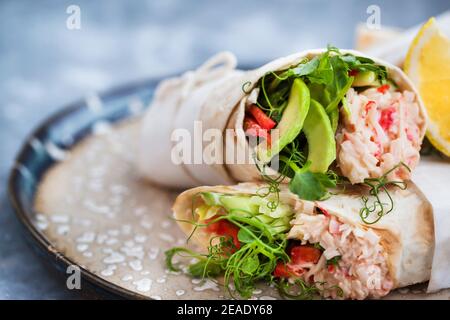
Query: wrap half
pixel 339 110
pixel 179 104
pixel 328 246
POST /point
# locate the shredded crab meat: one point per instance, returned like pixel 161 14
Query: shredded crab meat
pixel 381 131
pixel 361 271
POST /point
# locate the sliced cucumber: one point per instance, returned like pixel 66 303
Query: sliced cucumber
pixel 239 203
pixel 282 210
pixel 264 219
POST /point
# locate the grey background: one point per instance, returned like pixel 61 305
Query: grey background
pixel 44 66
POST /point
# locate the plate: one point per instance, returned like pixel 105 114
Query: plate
pixel 75 189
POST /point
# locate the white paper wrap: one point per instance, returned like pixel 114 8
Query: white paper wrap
pixel 432 176
pixel 433 173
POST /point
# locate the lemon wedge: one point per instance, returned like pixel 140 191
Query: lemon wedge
pixel 428 65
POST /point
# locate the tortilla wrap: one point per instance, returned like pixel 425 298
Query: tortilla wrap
pixel 249 172
pixel 177 104
pixel 407 233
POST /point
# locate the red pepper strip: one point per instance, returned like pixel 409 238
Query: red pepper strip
pixel 252 128
pixel 353 73
pixel 283 270
pixel 250 122
pixel 299 255
pixel 225 228
pixel 383 88
pixel 263 120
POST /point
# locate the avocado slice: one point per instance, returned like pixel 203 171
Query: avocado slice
pixel 291 122
pixel 320 137
pixel 234 202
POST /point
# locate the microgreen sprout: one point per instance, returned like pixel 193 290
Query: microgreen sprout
pixel 377 186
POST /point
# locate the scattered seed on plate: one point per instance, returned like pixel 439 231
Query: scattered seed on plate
pixel 180 292
pixel 114 257
pixel 136 265
pixel 59 218
pixel 127 277
pixel 109 271
pixel 143 285
pixel 207 285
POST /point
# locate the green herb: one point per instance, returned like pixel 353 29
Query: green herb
pixel 205 268
pixel 309 185
pixel 332 75
pixel 306 184
pixel 272 187
pixel 301 290
pixel 327 77
pixel 275 100
pixel 303 68
pixel 255 260
pixel 176 251
pixel 362 64
pixel 298 290
pixel 377 208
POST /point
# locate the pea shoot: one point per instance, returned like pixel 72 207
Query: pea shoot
pixel 377 186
